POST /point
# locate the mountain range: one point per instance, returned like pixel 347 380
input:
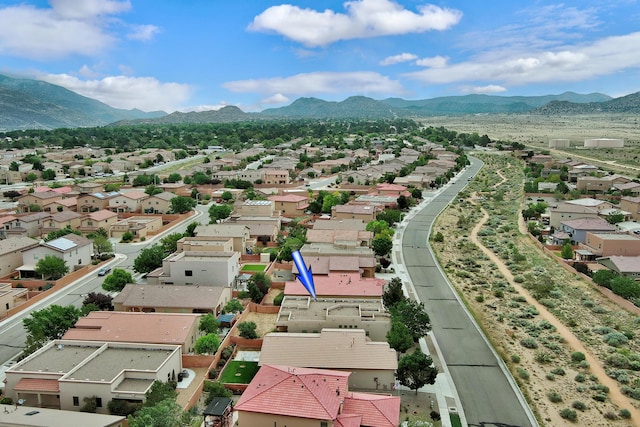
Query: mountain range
pixel 32 104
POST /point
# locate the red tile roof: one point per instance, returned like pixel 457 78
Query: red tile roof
pixel 37 384
pixel 377 410
pixel 295 392
pixel 348 420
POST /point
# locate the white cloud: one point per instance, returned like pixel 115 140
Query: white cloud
pixel 570 63
pixel 68 27
pixel 87 72
pixel 363 19
pixel 143 32
pixel 358 82
pixel 278 98
pixel 484 89
pixel 433 62
pixel 396 59
pixel 144 93
pixel 204 107
pixel 83 9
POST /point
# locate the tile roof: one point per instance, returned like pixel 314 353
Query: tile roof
pixel 348 420
pixel 288 198
pixel 134 194
pixel 330 349
pixel 377 410
pixel 595 224
pixel 316 393
pixel 347 285
pixel 101 215
pixel 37 384
pixel 340 224
pixel 355 209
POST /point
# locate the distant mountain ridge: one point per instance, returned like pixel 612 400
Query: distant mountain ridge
pixel 34 104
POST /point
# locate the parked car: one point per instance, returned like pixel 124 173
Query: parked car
pixel 104 271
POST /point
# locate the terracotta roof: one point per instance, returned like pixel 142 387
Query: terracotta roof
pixel 37 384
pixel 134 194
pixel 288 198
pixel 355 209
pixel 348 420
pixel 376 410
pixel 316 392
pixel 69 201
pixel 101 215
pixel 156 328
pixel 324 264
pixel 330 349
pixel 340 224
pixel 65 216
pixel 348 285
pixel 390 187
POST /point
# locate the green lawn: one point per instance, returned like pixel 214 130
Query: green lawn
pixel 253 267
pixel 239 372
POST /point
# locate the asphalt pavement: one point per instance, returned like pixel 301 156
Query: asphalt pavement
pixel 487 391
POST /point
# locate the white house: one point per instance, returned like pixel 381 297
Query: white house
pixel 75 250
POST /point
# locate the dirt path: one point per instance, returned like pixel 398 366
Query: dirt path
pixel 615 395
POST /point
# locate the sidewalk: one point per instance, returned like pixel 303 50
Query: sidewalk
pixel 447 399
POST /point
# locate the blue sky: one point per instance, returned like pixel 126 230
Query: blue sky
pixel 193 55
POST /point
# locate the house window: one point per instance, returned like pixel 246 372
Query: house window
pixel 188 273
pixel 324 424
pixel 99 402
pixel 76 401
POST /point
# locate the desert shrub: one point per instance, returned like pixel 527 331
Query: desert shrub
pixel 577 356
pixel 580 378
pixel 550 376
pixel 522 373
pixel 569 414
pixel 578 405
pixel 619 375
pixel 554 397
pixel 558 371
pixel 600 387
pixel 602 330
pixel 584 364
pixel 515 358
pixel 519 298
pixel 615 339
pixel 617 360
pixel 528 343
pixel 543 357
pixel 480 298
pixel 610 415
pixel 600 397
pixel 624 414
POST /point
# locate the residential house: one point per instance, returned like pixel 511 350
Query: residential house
pixel 202 268
pixel 175 188
pixel 632 205
pixel 47 417
pixel 574 209
pixel 339 285
pixel 95 220
pixel 143 328
pixel 608 244
pixel 88 187
pixel 59 220
pixel 303 314
pixel 158 203
pixel 341 224
pixel 74 250
pixel 11 297
pixel 321 396
pixel 627 266
pixel 594 184
pixel 341 238
pixel 205 243
pixel 255 208
pixel 128 201
pixel 290 205
pixel 372 364
pixel 66 204
pixel 366 213
pixel 95 201
pixel 43 200
pixel 62 373
pixel 577 229
pixel 11 253
pixel 26 225
pixel 139 226
pixel 275 176
pixel 323 264
pixel 629 188
pixel 581 170
pixel 219 413
pixel 238 232
pixel 172 299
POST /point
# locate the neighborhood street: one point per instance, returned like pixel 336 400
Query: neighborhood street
pixel 488 393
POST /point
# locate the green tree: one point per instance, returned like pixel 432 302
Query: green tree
pixel 181 204
pixel 328 202
pixel 169 242
pixel 626 287
pixel 233 306
pixel 604 278
pixel 403 203
pixel 393 293
pixel 567 251
pixel 158 392
pixel 615 217
pixel 152 190
pixel 51 267
pixel 391 216
pixel 262 280
pixel 399 337
pixel 61 233
pixel 255 293
pixel 14 166
pixel 416 370
pixel 226 196
pixel 208 324
pixel 215 389
pixel 248 330
pixel 31 177
pixel 90 404
pixel 416 193
pixel 149 259
pixel 379 227
pixel 219 212
pixel 191 229
pixel 117 280
pixel 174 177
pixel 413 315
pixel 166 413
pixel 102 245
pixel 101 301
pixel 207 344
pixel 48 174
pixel 47 324
pixel 382 245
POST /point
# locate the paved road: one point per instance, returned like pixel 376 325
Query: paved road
pixel 12 333
pixel 488 395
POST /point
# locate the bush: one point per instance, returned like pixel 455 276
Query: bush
pixel 435 415
pixel 610 415
pixel 577 356
pixel 543 357
pixel 515 358
pixel 569 414
pixel 554 397
pixel 578 405
pixel 600 397
pixel 624 414
pixel 522 373
pixel 615 339
pixel 6 401
pixel 278 299
pixel 558 371
pixel 580 378
pixel 528 343
pixel 480 298
pixel 248 330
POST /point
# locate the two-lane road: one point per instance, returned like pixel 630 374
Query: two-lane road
pixel 487 392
